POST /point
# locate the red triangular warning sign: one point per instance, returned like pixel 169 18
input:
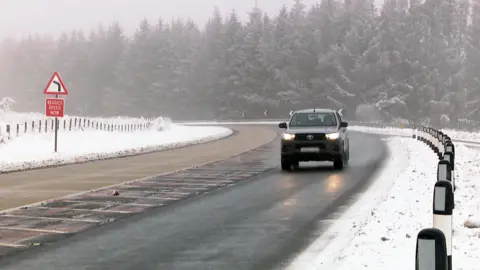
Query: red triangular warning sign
pixel 55 86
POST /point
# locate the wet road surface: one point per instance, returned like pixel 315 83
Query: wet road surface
pixel 258 223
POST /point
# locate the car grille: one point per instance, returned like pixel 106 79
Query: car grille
pixel 316 136
pixel 319 145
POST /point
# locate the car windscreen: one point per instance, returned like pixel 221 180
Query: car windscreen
pixel 313 119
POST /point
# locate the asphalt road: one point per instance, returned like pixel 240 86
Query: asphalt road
pixel 27 187
pixel 257 224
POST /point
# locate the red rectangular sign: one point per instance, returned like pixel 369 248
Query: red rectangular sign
pixel 55 107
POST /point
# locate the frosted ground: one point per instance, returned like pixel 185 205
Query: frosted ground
pixel 379 231
pixel 34 150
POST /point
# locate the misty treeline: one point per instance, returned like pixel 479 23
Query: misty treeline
pixel 409 59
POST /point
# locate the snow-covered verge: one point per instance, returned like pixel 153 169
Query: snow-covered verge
pixel 379 231
pixel 27 139
pixel 36 150
pixel 462 135
pixel 408 132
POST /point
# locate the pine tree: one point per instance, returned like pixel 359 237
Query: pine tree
pixel 107 52
pixel 414 59
pixel 473 63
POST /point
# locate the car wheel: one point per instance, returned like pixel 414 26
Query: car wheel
pixel 295 165
pixel 338 163
pixel 286 166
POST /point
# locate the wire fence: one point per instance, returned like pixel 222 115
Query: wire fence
pixel 10 131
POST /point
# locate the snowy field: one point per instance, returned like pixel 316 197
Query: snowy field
pixel 35 150
pixel 379 231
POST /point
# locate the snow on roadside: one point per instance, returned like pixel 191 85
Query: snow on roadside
pixel 379 231
pixel 466 241
pixel 383 131
pixel 454 134
pixel 462 135
pixel 36 150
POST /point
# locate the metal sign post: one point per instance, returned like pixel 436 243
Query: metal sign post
pixel 55 107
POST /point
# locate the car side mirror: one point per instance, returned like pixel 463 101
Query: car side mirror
pixel 282 125
pixel 343 124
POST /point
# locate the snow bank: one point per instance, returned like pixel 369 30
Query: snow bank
pixel 36 150
pixel 383 131
pixel 462 135
pixel 90 138
pixel 379 231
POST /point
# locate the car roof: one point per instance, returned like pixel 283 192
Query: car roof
pixel 315 110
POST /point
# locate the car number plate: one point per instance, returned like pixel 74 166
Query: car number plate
pixel 310 149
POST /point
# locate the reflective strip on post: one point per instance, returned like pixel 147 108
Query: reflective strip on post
pixel 444 171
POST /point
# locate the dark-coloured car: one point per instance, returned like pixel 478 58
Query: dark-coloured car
pixel 314 135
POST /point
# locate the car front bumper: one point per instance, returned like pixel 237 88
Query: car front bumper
pixel 327 150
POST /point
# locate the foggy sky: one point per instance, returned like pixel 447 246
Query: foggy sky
pixel 22 17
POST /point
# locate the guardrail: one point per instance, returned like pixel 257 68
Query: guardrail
pixel 39 126
pixel 434 245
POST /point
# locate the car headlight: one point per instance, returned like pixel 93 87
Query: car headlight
pixel 333 136
pixel 288 136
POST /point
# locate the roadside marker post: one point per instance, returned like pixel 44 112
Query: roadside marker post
pixel 449 147
pixel 429 137
pixel 432 139
pixel 443 205
pixel 444 171
pixel 441 144
pixel 431 250
pixel 450 157
pixel 436 142
pixel 55 107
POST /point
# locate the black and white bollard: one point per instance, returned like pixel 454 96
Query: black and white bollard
pixel 431 250
pixel 414 133
pixel 449 147
pixel 443 204
pixel 444 171
pixel 441 146
pixel 430 138
pixel 422 134
pixel 450 157
pixel 436 142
